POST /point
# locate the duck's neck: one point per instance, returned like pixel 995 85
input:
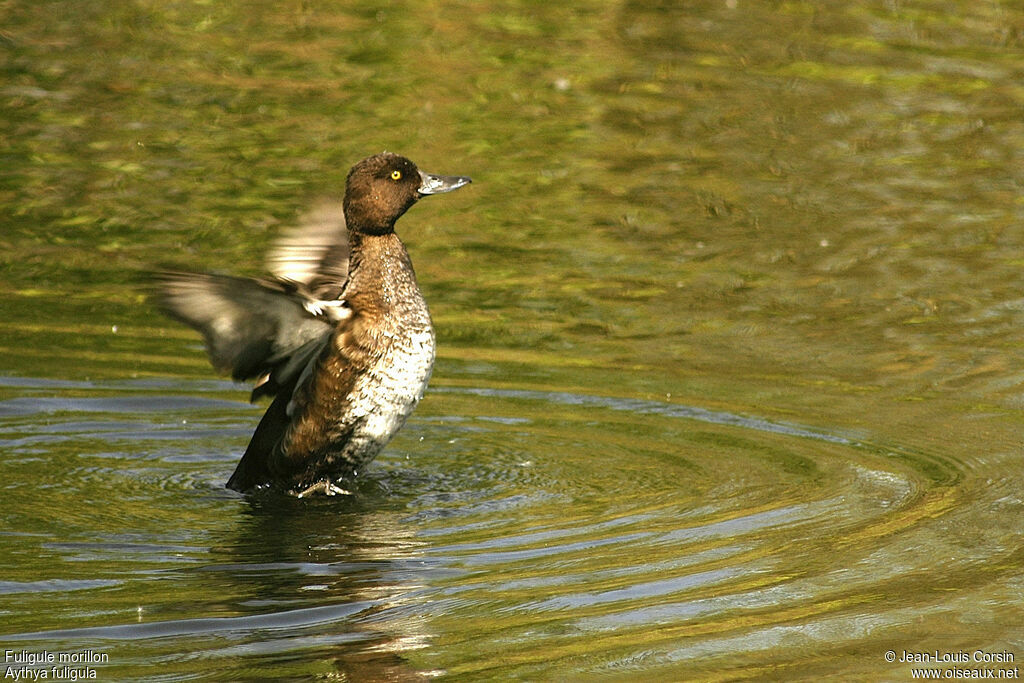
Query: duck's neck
pixel 381 278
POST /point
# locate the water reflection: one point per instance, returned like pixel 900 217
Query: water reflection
pixel 489 525
pixel 356 560
pixel 278 575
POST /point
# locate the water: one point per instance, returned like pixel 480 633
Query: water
pixel 728 382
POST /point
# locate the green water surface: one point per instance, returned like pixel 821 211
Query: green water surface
pixel 729 382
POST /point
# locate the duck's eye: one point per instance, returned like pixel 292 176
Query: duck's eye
pixel 396 175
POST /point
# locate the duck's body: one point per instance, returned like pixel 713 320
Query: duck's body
pixel 341 337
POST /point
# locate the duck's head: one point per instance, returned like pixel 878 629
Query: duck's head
pixel 383 187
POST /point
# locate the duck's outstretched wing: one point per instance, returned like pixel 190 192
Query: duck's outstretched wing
pixel 271 329
pixel 253 328
pixel 314 253
pixel 249 325
pixel 259 329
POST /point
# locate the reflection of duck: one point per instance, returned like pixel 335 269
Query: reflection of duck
pixel 340 336
pixel 326 582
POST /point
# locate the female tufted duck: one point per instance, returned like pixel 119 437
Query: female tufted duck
pixel 339 335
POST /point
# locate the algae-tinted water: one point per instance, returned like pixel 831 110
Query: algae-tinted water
pixel 729 338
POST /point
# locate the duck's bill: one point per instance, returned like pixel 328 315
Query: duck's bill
pixel 436 184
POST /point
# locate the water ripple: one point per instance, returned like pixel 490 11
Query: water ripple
pixel 534 525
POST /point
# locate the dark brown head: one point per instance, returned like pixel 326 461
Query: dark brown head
pixel 383 187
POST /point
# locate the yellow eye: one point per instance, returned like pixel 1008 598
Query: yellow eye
pixel 396 175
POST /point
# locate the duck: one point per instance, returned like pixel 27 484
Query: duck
pixel 338 335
